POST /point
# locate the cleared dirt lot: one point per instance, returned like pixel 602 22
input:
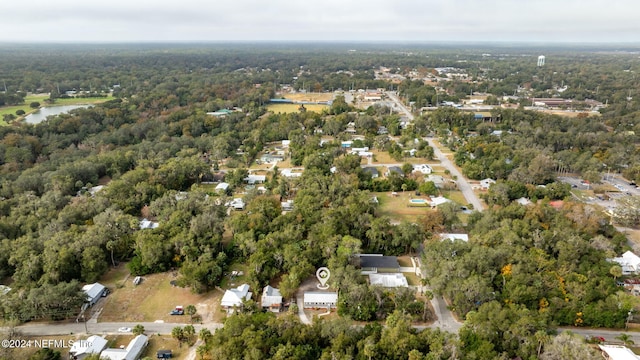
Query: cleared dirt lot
pixel 153 299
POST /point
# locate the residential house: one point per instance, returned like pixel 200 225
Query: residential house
pixel 83 348
pixel 236 204
pixel 486 183
pixel 437 180
pixel 94 292
pixel 222 187
pixel 452 237
pixel 394 169
pixel 286 144
pixel 523 201
pixel 617 352
pixel 148 224
pixel 438 200
pixel 388 280
pixel 377 263
pixel 234 297
pixel 320 299
pixel 271 298
pixel 131 352
pixel 94 190
pixel 287 205
pixel 271 159
pixel 220 113
pixel 372 171
pixel 291 173
pixel 255 179
pixel 629 262
pixel 422 168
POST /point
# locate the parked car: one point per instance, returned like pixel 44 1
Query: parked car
pixel 124 330
pixel 179 310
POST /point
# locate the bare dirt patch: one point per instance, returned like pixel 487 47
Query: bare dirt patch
pixel 153 299
pixel 309 96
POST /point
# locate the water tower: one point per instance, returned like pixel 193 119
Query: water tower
pixel 540 60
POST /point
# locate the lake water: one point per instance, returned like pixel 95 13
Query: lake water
pixel 40 115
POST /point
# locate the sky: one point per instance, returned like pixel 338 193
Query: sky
pixel 545 21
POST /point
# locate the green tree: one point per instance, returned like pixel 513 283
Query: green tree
pixel 34 105
pixel 138 330
pixel 626 339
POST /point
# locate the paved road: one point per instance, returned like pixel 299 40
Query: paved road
pixel 104 328
pixel 392 95
pixel 463 184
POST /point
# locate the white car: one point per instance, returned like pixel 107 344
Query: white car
pixel 124 329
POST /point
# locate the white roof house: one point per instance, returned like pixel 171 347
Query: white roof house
pixel 92 345
pixel 320 299
pixel 222 186
pixel 255 179
pixel 131 352
pixel 271 298
pixel 438 200
pixel 94 292
pixel 287 205
pixel 452 237
pixel 94 190
pixel 234 297
pixel 4 289
pixel 148 224
pixel 291 173
pixel 237 204
pixel 422 168
pixel 617 352
pixel 389 280
pixel 486 183
pixel 523 201
pixel 629 262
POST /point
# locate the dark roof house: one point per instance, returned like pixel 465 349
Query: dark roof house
pixel 376 263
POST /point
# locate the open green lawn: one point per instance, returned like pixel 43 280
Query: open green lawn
pixel 456 196
pixel 397 207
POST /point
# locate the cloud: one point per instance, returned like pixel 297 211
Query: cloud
pixel 161 20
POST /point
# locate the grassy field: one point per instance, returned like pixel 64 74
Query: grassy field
pixel 397 208
pixel 308 96
pixel 456 196
pixel 293 108
pixel 153 299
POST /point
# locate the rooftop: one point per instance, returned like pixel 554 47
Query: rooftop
pixel 378 261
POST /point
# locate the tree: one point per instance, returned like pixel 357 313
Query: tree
pixel 567 346
pixel 34 105
pixel 189 333
pixel 190 310
pixel 138 330
pixel 178 334
pixel 616 271
pixel 20 112
pixel 46 354
pixel 626 339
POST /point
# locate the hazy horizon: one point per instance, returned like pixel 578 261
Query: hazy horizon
pixel 405 21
